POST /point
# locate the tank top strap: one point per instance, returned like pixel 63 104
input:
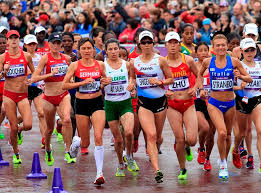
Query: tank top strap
pixel 183 58
pixel 229 62
pixel 7 56
pixel 22 55
pixel 96 64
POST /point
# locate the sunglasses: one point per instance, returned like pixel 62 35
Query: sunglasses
pixel 250 50
pixel 146 42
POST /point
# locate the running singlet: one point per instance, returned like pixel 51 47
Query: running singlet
pixel 145 71
pixel 84 72
pixel 221 79
pixel 252 89
pixel 44 50
pixel 36 61
pixel 133 53
pixel 182 76
pixel 18 66
pixel 117 90
pixel 62 65
pixel 185 49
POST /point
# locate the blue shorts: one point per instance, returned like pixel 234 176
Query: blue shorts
pixel 221 105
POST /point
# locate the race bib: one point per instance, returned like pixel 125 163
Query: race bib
pixel 143 81
pixel 16 71
pixel 117 88
pixel 2 79
pixel 255 84
pixel 62 69
pixel 181 83
pixel 222 84
pixel 91 87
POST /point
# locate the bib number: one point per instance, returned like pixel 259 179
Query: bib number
pixel 91 87
pixel 62 69
pixel 222 85
pixel 143 81
pixel 16 71
pixel 179 84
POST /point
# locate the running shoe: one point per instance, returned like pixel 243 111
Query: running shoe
pixel 55 132
pixel 68 158
pixel 120 171
pixel 19 138
pixel 17 159
pixel 7 125
pixel 236 159
pixel 132 165
pixel 207 166
pixel 189 154
pixel 49 158
pixel 59 137
pixel 183 174
pixel 223 173
pixel 112 141
pixel 260 169
pixel 84 151
pixel 75 146
pixel 2 136
pixel 124 156
pixel 250 162
pixel 99 180
pixel 135 146
pixel 242 151
pixel 201 155
pixel 43 143
pixel 159 151
pixel 159 176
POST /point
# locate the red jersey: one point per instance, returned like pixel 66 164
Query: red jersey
pixel 84 72
pixel 18 66
pixel 133 53
pixel 44 50
pixel 62 65
pixel 183 77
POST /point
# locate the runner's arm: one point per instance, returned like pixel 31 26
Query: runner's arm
pixel 104 79
pixel 201 71
pixel 2 60
pixel 166 71
pixel 67 84
pixel 194 69
pixel 132 83
pixel 30 62
pixel 243 73
pixel 36 76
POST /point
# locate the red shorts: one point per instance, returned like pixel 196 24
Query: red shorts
pixel 16 97
pixel 181 105
pixel 2 83
pixel 55 100
pixel 134 104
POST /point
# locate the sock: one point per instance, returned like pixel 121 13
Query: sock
pixel 99 156
pixel 223 162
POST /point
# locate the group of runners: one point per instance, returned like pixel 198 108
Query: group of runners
pixel 134 91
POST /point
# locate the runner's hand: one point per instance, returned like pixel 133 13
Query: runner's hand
pixel 243 85
pixel 236 73
pixel 28 82
pixel 191 92
pixel 105 81
pixel 6 68
pixel 155 81
pixel 130 87
pixel 55 71
pixel 203 94
pixel 88 81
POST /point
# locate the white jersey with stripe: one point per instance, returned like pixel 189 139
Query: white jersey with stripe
pixel 117 90
pixel 145 71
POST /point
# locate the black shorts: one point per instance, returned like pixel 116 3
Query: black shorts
pixel 88 106
pixel 201 106
pixel 34 92
pixel 249 107
pixel 154 105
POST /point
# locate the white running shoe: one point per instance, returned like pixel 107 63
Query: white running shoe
pixel 75 146
pixel 223 173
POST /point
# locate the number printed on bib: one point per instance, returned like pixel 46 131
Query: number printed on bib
pixel 62 69
pixel 16 71
pixel 143 81
pixel 118 86
pixel 91 87
pixel 181 83
pixel 222 84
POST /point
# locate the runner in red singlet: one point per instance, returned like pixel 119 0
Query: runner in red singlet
pixel 13 65
pixel 55 98
pixel 43 46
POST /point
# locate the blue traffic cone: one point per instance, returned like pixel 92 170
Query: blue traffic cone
pixel 36 171
pixel 3 162
pixel 57 182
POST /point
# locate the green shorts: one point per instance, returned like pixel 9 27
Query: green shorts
pixel 115 109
